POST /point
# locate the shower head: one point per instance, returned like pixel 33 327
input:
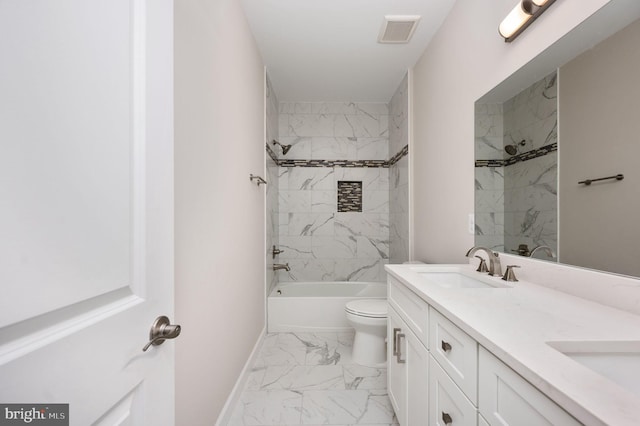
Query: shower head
pixel 513 149
pixel 285 148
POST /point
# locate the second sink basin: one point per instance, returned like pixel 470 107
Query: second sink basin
pixel 618 361
pixel 458 280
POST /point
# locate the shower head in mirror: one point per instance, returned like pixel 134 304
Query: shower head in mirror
pixel 285 148
pixel 514 149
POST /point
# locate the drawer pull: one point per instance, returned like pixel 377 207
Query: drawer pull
pixel 446 418
pixel 445 346
pixel 399 360
pixel 395 341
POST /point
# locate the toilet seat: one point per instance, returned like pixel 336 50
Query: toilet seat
pixel 370 308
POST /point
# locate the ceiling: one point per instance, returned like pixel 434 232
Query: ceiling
pixel 328 50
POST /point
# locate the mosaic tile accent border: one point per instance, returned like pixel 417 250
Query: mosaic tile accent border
pixel 282 162
pixel 333 163
pixel 404 151
pixel 349 196
pixel 529 155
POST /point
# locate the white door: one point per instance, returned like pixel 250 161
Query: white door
pixel 86 207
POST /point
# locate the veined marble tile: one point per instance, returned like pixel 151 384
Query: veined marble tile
pixel 256 376
pixel 277 407
pixel 295 247
pixel 333 108
pixel 287 108
pixel 309 178
pixel 311 224
pixel 334 148
pixel 324 201
pixel 303 377
pixel 383 127
pixel 371 248
pixel 361 377
pixel 359 270
pixel 334 247
pixel 375 201
pixel 490 178
pixel 346 407
pixel 372 149
pixel 294 201
pixel 309 270
pixel 283 125
pixel 356 224
pixel 323 348
pixel 312 125
pixel 359 126
pixel 489 201
pixel 372 108
pixel 278 353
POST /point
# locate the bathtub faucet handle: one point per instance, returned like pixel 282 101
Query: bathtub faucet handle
pixel 275 251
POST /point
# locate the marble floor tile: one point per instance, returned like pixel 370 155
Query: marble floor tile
pixel 346 407
pixel 304 377
pixel 277 407
pixel 361 377
pixel 309 379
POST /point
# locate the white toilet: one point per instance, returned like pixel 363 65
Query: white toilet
pixel 369 318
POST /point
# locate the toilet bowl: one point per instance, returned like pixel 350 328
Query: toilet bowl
pixel 369 318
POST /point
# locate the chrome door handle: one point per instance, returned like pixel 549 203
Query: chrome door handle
pixel 395 341
pixel 161 329
pixel 399 360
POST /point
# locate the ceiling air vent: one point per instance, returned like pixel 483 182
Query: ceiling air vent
pixel 398 28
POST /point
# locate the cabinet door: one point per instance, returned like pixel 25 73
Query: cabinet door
pixel 417 381
pixel 396 371
pixel 448 406
pixel 505 398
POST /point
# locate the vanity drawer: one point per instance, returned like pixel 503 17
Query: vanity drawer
pixel 456 352
pixel 508 399
pixel 448 406
pixel 411 308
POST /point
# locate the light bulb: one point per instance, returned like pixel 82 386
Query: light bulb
pixel 515 20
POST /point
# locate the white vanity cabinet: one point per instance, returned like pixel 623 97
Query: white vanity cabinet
pixel 440 376
pixel 508 399
pixel 407 357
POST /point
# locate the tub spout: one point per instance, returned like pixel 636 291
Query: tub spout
pixel 278 266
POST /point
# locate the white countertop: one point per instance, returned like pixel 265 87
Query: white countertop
pixel 516 323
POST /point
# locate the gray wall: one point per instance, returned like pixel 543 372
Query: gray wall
pixel 599 128
pixel 219 214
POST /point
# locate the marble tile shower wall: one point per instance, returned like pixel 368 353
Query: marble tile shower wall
pixel 272 217
pixel 516 201
pixel 399 175
pixel 489 181
pixel 530 187
pixel 320 243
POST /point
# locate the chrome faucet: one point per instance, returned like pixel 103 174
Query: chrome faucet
pixel 278 266
pixel 494 261
pixel 546 249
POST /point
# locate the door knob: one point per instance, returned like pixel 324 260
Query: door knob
pixel 161 329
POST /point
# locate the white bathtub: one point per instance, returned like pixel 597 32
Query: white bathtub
pixel 316 306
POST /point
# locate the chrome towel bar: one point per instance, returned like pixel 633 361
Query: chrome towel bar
pixel 590 181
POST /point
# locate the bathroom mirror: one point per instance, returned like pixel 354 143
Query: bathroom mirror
pixel 570 115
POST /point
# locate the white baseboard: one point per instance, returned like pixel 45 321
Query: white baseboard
pixel 234 396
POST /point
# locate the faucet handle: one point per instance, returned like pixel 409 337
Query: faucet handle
pixel 509 274
pixel 482 267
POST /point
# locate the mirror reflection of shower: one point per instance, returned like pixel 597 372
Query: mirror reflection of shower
pixel 514 148
pixel 285 148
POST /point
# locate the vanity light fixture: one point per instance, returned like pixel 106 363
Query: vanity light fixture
pixel 521 17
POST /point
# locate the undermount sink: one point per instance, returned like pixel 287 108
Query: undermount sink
pixel 458 280
pixel 618 361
